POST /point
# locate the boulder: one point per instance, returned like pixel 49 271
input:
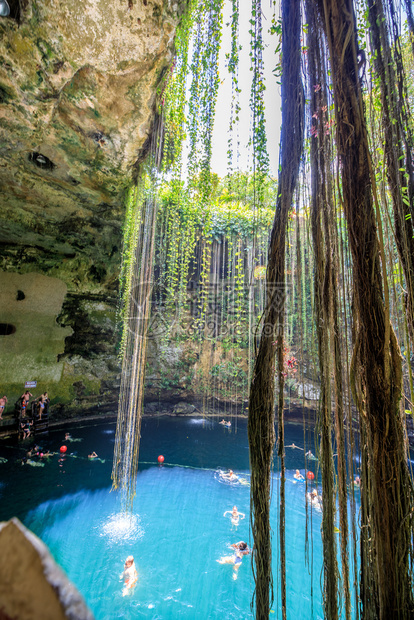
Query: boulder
pixel 32 586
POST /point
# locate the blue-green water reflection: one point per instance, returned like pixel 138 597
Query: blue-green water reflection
pixel 177 531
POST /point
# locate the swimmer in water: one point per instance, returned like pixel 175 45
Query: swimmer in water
pixel 240 549
pixel 292 445
pixel 33 463
pixel 129 575
pixel 235 515
pixel 357 481
pixel 68 437
pixel 314 499
pixel 93 455
pixel 231 476
pixel 46 455
pixel 298 476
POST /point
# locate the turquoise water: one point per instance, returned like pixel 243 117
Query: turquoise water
pixel 177 531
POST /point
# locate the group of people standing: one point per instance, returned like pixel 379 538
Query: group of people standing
pixel 26 416
pixel 22 404
pixel 41 403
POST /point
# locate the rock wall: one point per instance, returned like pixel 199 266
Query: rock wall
pixel 31 584
pixel 77 90
pixel 27 353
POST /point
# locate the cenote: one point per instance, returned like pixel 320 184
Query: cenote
pixel 174 251
pixel 176 530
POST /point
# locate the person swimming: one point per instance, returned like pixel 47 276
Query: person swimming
pixel 68 437
pixel 47 454
pixel 298 476
pixel 129 575
pixel 230 476
pixel 240 549
pixel 235 515
pixel 93 455
pixel 314 499
pixel 292 445
pixel 26 461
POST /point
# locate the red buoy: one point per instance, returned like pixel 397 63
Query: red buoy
pixel 63 449
pixel 310 475
pixel 160 459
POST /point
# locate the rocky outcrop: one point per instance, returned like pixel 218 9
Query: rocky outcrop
pixel 31 584
pixel 78 84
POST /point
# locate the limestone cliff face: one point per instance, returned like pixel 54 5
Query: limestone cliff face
pixel 78 83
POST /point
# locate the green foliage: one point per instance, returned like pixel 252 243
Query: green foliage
pixel 408 61
pixel 172 94
pixel 203 92
pixel 130 238
pixel 259 139
pixel 227 214
pixel 202 213
pixel 233 69
pixel 228 372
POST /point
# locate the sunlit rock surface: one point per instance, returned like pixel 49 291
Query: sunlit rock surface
pixel 28 353
pixel 32 586
pixel 78 83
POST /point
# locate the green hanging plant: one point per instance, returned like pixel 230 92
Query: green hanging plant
pixel 233 69
pixel 257 106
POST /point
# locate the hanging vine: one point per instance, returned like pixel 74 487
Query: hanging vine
pixel 376 366
pixel 257 106
pixel 261 401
